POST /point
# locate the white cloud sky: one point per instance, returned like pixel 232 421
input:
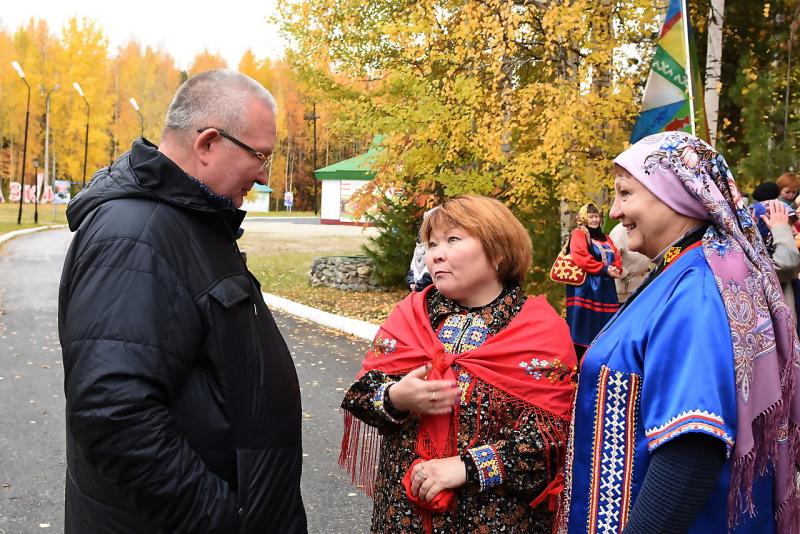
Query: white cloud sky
pixel 183 29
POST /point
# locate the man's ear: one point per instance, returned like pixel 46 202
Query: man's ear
pixel 203 146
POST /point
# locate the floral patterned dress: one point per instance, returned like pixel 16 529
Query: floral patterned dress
pixel 519 442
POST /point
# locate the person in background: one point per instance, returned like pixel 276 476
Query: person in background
pixel 635 266
pixel 591 304
pixel 687 415
pixel 772 218
pixel 788 184
pixel 457 420
pixel 766 191
pixel 418 277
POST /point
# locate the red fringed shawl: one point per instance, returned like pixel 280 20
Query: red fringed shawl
pixel 531 360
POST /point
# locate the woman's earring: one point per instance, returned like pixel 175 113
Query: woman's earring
pixel 496 267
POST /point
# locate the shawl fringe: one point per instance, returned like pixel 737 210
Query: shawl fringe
pixel 361 448
pixel 766 429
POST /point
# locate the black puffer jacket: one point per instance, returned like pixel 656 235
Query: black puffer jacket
pixel 183 406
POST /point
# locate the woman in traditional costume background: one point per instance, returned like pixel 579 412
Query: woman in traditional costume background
pixel 687 413
pixel 462 402
pixel 591 304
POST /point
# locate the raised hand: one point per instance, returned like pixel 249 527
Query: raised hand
pixel 415 393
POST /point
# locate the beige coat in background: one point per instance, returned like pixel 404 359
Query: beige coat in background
pixel 635 266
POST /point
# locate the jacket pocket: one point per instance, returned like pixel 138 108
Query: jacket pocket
pixel 231 291
pixel 233 348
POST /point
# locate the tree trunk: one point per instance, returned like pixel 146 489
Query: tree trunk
pixel 713 85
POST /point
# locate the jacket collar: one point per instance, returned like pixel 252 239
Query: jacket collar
pixel 168 182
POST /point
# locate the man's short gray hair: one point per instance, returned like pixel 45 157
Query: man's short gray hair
pixel 215 98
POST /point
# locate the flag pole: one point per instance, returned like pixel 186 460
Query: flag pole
pixel 690 80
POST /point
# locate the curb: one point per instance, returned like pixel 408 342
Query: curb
pixel 355 327
pixel 16 233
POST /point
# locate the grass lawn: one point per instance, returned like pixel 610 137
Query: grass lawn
pixel 49 214
pixel 282 264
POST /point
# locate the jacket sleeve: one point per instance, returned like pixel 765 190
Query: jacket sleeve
pixel 130 334
pixel 367 400
pixel 526 458
pixel 786 257
pixel 579 248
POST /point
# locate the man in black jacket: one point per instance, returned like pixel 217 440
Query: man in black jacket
pixel 183 405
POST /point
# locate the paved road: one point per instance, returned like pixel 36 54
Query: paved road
pixel 291 220
pixel 32 399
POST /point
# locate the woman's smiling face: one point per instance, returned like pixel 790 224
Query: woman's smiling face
pixel 651 224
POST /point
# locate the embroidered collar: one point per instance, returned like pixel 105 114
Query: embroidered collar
pixel 497 314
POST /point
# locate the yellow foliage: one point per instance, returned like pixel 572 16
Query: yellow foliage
pixel 527 100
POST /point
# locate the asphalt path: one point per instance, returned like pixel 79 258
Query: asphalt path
pixel 32 461
pixel 291 220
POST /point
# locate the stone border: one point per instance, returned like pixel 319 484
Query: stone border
pixel 16 233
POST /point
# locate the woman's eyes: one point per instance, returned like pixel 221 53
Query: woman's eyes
pixel 450 241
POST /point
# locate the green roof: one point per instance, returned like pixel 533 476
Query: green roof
pixel 357 168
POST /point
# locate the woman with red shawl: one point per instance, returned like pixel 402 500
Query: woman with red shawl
pixel 457 420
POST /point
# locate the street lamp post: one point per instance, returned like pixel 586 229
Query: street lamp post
pixel 18 68
pixel 35 190
pixel 77 87
pixel 312 117
pixel 136 107
pixel 47 93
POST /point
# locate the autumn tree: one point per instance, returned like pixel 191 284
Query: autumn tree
pixel 204 61
pixel 759 123
pixel 525 101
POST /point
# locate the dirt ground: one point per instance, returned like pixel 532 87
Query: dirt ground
pixel 262 237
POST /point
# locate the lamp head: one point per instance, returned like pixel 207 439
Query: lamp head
pixel 18 68
pixel 134 104
pixel 77 87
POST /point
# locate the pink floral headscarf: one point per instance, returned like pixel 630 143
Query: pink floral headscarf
pixel 765 344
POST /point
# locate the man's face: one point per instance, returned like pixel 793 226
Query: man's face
pixel 229 169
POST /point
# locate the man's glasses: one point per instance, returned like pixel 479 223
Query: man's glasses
pixel 266 159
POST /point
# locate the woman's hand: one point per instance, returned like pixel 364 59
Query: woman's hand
pixel 431 477
pixel 777 214
pixel 613 272
pixel 416 394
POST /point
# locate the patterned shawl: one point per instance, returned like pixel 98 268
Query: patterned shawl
pixel 765 346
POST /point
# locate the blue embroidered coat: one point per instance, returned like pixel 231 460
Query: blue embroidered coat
pixel 661 368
